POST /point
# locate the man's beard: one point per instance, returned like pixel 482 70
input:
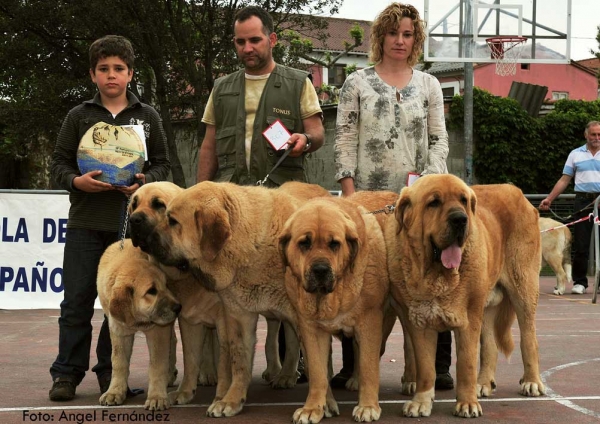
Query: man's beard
pixel 257 63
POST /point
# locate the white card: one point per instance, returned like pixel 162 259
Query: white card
pixel 277 135
pixel 139 129
pixel 412 177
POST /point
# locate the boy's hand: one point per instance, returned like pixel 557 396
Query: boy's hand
pixel 87 183
pixel 128 191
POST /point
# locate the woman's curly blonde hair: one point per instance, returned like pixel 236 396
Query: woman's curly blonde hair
pixel 389 19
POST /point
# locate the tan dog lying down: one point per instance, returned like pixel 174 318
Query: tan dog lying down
pixel 556 251
pixel 227 236
pixel 336 279
pixel 452 251
pixel 134 296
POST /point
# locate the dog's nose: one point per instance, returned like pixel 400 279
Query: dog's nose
pixel 320 270
pixel 136 219
pixel 457 219
pixel 176 308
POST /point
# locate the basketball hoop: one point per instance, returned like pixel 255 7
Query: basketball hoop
pixel 506 51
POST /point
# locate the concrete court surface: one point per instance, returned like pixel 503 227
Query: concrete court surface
pixel 568 330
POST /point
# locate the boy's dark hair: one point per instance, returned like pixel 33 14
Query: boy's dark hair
pixel 111 45
pixel 260 13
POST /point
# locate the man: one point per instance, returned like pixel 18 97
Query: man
pixel 234 148
pixel 583 163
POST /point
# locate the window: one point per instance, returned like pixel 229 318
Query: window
pixel 559 95
pixel 337 76
pixel 450 89
pixel 525 66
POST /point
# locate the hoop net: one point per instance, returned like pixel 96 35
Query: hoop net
pixel 506 51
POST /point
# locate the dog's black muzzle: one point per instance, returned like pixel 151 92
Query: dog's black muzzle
pixel 139 230
pixel 320 278
pixel 457 226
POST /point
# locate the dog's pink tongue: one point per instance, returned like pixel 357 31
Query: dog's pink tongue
pixel 451 256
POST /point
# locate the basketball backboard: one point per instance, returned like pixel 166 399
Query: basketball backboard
pixel 454 37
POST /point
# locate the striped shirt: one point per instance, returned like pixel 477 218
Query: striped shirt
pixel 585 167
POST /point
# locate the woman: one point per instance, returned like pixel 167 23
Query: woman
pixel 390 124
pixel 390 117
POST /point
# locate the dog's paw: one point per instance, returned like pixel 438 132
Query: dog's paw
pixel 112 398
pixel 308 415
pixel 220 408
pixel 559 291
pixel 366 414
pixel 409 388
pixel 207 379
pixel 352 384
pixel 486 389
pixel 284 381
pixel 331 408
pixel 181 397
pixel 468 409
pixel 532 389
pixel 270 373
pixel 420 405
pixel 172 378
pixel 157 403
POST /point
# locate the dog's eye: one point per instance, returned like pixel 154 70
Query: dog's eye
pixel 334 245
pixel 464 201
pixel 134 203
pixel 172 222
pixel 158 204
pixel 434 203
pixel 305 244
pixel 152 292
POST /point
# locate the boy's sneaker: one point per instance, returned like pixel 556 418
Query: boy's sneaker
pixel 63 389
pixel 578 289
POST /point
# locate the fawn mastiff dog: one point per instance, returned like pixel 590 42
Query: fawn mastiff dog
pixel 134 296
pixel 336 279
pixel 226 236
pixel 201 309
pixel 453 251
pixel 556 251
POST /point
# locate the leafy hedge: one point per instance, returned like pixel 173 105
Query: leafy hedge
pixel 512 147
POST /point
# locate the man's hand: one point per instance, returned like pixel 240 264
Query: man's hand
pixel 297 143
pixel 87 183
pixel 545 204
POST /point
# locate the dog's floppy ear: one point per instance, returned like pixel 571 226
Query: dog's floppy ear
pixel 402 209
pixel 121 303
pixel 216 230
pixel 353 239
pixel 354 246
pixel 284 241
pixel 473 200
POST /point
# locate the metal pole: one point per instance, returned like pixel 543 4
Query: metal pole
pixel 468 94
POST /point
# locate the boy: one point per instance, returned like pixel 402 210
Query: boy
pixel 97 209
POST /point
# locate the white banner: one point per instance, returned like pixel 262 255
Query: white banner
pixel 32 239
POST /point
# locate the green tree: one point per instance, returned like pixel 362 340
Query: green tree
pixel 181 46
pixel 302 47
pixel 598 52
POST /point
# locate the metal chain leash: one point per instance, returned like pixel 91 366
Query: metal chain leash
pixel 125 223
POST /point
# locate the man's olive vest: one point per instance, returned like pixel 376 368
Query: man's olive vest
pixel 280 100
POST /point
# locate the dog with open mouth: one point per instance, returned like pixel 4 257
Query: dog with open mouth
pixel 465 259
